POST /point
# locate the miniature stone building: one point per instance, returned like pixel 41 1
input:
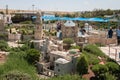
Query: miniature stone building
pixel 62 66
pixel 66 64
pixel 69 30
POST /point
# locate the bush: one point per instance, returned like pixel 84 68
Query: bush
pixel 92 59
pixel 113 67
pixel 68 41
pixel 4 45
pixel 109 77
pixel 82 65
pixel 99 69
pixel 75 47
pixel 32 56
pixel 93 49
pixel 3 36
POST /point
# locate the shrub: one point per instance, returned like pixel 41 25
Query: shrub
pixel 92 59
pixel 75 47
pixel 82 65
pixel 109 77
pixel 32 56
pixel 4 45
pixel 3 36
pixel 112 67
pixel 99 69
pixel 68 41
pixel 93 49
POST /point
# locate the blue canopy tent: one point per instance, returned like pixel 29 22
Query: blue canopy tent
pixel 80 19
pixel 97 20
pixel 74 19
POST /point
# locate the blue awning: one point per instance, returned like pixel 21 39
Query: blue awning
pixel 74 19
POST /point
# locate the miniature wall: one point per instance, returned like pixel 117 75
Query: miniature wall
pixel 14 37
pixel 104 41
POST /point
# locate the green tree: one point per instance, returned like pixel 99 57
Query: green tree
pixel 99 70
pixel 82 65
pixel 113 67
pixel 109 76
pixel 32 56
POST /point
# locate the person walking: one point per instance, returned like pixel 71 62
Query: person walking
pixel 118 36
pixel 110 33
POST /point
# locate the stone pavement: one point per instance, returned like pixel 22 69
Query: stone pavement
pixel 112 51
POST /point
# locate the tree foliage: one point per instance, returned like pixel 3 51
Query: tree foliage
pixel 113 67
pixel 99 69
pixel 82 65
pixel 32 55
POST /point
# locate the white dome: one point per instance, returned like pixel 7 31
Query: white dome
pixel 69 24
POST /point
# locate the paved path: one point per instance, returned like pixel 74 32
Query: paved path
pixel 113 52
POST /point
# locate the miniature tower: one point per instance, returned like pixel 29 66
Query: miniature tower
pixel 38 27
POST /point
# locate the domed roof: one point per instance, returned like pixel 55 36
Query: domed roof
pixel 69 24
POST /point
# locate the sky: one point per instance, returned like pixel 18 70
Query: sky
pixel 60 5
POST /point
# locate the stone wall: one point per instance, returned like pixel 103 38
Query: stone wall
pixel 14 37
pixel 28 37
pixel 104 41
pixel 69 32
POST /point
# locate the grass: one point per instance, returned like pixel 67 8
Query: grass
pixel 15 61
